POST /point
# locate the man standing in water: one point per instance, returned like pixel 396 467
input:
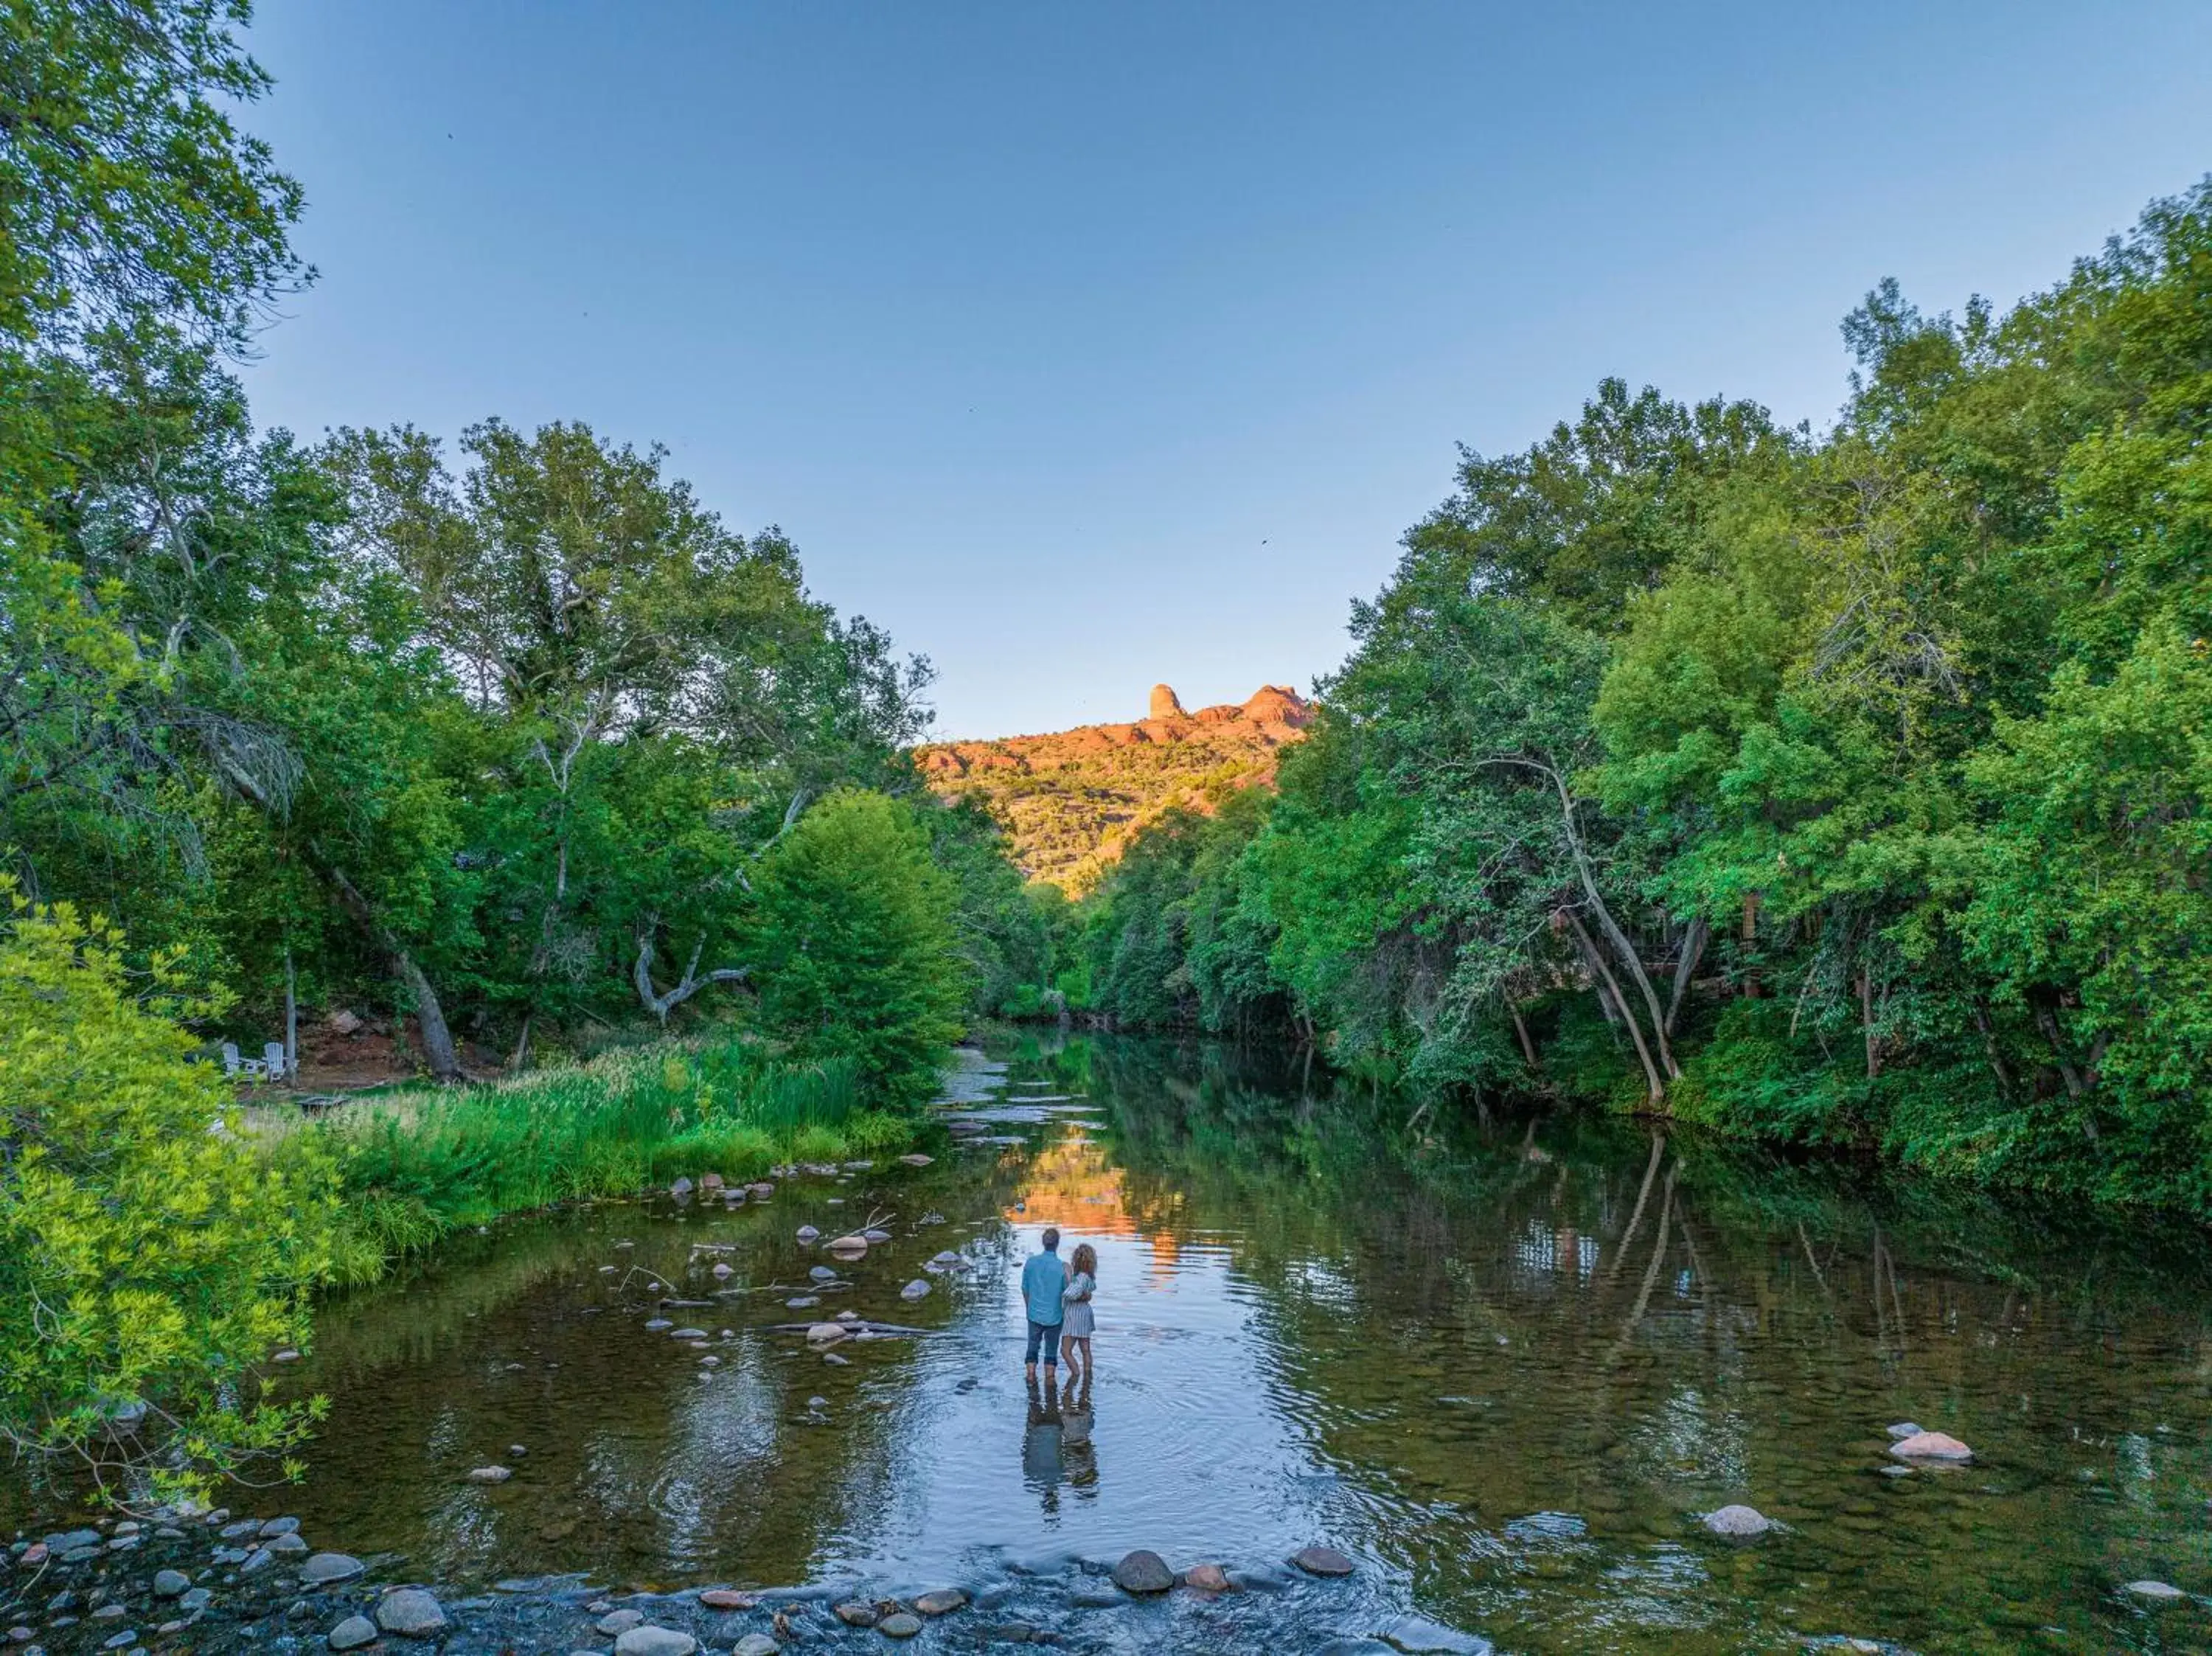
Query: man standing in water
pixel 1044 1278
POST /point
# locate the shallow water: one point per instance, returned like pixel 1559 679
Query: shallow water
pixel 1505 1372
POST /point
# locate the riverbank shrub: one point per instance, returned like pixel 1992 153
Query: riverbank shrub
pixel 150 1260
pixel 416 1165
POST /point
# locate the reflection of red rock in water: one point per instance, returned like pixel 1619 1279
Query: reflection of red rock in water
pixel 1071 800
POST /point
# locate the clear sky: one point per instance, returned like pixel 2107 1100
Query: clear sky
pixel 1085 346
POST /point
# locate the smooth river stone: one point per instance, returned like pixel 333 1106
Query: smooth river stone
pixel 491 1475
pixel 621 1621
pixel 1143 1572
pixel 1206 1577
pixel 916 1289
pixel 352 1634
pixel 855 1614
pixel 652 1640
pixel 756 1644
pixel 688 1334
pixel 727 1599
pixel 1931 1446
pixel 1321 1560
pixel 899 1625
pixel 825 1334
pixel 412 1614
pixel 171 1584
pixel 1738 1522
pixel 325 1568
pixel 943 1602
pixel 808 1234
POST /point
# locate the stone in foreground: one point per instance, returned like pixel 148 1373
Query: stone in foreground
pixel 899 1624
pixel 1321 1560
pixel 621 1621
pixel 1143 1572
pixel 943 1602
pixel 327 1568
pixel 855 1614
pixel 1931 1446
pixel 412 1614
pixel 1738 1522
pixel 757 1644
pixel 652 1640
pixel 352 1634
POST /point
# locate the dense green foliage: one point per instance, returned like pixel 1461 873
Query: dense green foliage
pixel 150 1259
pixel 1843 788
pixel 520 750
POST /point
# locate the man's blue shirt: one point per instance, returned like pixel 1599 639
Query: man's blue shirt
pixel 1043 1279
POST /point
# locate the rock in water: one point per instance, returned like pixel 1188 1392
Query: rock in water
pixel 286 1546
pixel 900 1625
pixel 651 1641
pixel 825 1334
pixel 327 1568
pixel 916 1289
pixel 681 1187
pixel 172 1583
pixel 855 1614
pixel 1321 1560
pixel 2157 1592
pixel 916 1159
pixel 1206 1577
pixel 412 1614
pixel 848 1247
pixel 943 1602
pixel 808 1234
pixel 621 1621
pixel 1904 1428
pixel 724 1599
pixel 1143 1572
pixel 722 1272
pixel 1738 1522
pixel 352 1634
pixel 1931 1446
pixel 875 1238
pixel 491 1475
pixel 757 1644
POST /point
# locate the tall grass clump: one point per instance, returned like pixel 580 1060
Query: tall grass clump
pixel 418 1164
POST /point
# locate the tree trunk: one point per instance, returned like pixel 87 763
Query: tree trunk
pixel 437 1038
pixel 1693 951
pixel 1865 1024
pixel 1613 934
pixel 291 1022
pixel 660 1004
pixel 1652 1078
pixel 1521 1029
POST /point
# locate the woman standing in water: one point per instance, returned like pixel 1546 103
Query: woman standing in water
pixel 1076 1326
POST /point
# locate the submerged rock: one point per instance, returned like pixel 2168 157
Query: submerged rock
pixel 1903 1429
pixel 491 1475
pixel 1321 1560
pixel 899 1625
pixel 916 1159
pixel 1143 1572
pixel 756 1644
pixel 1738 1522
pixel 916 1289
pixel 1931 1446
pixel 1206 1577
pixel 2155 1592
pixel 620 1620
pixel 1417 1635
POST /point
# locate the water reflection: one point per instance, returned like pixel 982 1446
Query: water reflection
pixel 1506 1370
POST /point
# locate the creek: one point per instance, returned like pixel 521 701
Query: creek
pixel 1505 1370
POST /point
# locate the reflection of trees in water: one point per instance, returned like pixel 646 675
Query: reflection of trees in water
pixel 1571 1313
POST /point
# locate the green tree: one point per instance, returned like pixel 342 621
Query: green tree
pixel 851 941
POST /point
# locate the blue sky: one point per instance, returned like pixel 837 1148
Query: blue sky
pixel 1089 347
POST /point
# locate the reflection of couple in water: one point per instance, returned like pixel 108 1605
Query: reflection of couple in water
pixel 1056 1445
pixel 1058 1302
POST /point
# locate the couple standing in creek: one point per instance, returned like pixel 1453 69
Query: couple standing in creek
pixel 1056 1300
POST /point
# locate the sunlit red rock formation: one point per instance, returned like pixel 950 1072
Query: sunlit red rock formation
pixel 1071 800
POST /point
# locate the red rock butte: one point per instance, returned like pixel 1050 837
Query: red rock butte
pixel 1071 800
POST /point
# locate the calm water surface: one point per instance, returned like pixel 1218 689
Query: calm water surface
pixel 1506 1372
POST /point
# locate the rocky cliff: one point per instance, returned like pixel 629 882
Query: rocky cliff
pixel 1071 800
